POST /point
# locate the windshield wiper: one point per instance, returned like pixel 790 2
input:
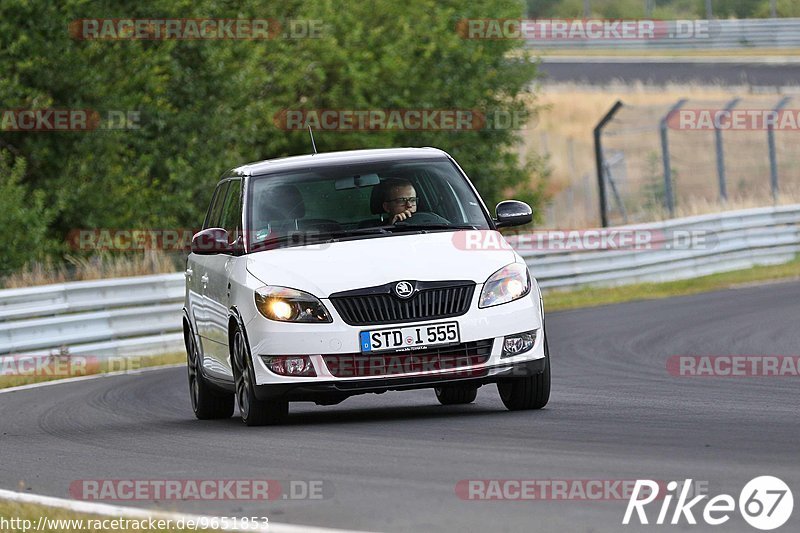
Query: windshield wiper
pixel 361 231
pixel 299 239
pixel 432 226
pixel 311 237
pixel 333 236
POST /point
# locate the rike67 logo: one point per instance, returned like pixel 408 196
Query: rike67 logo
pixel 765 503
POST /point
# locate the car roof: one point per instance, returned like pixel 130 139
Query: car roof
pixel 328 158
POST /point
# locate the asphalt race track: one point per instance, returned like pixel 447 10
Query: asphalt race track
pixel 391 462
pixel 598 72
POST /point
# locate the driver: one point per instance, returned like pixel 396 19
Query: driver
pixel 399 199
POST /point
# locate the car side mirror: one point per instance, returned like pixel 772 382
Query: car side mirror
pixel 513 213
pixel 211 241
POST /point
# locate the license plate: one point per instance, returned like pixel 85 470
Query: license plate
pixel 410 338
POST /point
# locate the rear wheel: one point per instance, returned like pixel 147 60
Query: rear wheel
pixel 530 392
pixel 254 412
pixel 456 394
pixel 207 402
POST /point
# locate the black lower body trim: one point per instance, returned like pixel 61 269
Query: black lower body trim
pixel 328 392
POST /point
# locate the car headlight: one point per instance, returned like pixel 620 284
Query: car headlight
pixel 510 283
pixel 290 305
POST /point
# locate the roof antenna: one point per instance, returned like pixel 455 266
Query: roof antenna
pixel 313 145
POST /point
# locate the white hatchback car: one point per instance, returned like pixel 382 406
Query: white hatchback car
pixel 324 276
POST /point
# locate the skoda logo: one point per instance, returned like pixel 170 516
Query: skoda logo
pixel 404 289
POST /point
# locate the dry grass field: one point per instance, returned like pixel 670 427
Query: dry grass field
pixel 563 129
pixel 97 267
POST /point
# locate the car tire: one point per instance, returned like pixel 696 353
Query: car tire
pixel 254 412
pixel 530 392
pixel 208 403
pixel 456 394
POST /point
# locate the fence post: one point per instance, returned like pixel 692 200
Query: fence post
pixel 773 159
pixel 669 199
pixel 598 159
pixel 723 189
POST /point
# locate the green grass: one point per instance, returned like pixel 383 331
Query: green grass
pixel 100 367
pixel 11 510
pixel 556 300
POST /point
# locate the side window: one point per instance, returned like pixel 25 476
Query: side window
pixel 215 209
pixel 232 210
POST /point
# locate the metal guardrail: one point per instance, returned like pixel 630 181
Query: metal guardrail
pixel 731 241
pixel 142 315
pixel 120 316
pixel 721 35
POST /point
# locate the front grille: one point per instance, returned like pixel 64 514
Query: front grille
pixel 378 305
pixel 453 357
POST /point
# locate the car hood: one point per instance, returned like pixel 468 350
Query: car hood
pixel 333 267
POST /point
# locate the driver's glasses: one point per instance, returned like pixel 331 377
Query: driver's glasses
pixel 404 200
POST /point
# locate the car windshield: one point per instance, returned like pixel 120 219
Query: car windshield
pixel 364 200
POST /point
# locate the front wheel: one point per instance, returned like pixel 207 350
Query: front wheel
pixel 254 412
pixel 207 403
pixel 530 392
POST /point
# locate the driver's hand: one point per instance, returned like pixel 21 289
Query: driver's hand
pixel 399 217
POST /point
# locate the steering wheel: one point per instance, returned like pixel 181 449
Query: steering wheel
pixel 421 218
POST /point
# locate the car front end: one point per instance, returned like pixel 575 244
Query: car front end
pixel 372 326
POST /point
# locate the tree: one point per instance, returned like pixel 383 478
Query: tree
pixel 23 216
pixel 205 106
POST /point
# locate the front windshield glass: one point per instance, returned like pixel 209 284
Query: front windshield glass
pixel 365 200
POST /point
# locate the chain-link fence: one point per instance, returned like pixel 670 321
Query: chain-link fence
pixel 695 156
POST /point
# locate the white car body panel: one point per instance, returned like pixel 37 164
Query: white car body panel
pixel 329 268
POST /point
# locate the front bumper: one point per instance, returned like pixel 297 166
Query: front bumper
pixel 340 339
pixel 330 392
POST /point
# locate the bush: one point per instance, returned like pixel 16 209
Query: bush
pixel 23 216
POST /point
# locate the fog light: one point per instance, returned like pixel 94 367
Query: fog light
pixel 290 365
pixel 519 343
